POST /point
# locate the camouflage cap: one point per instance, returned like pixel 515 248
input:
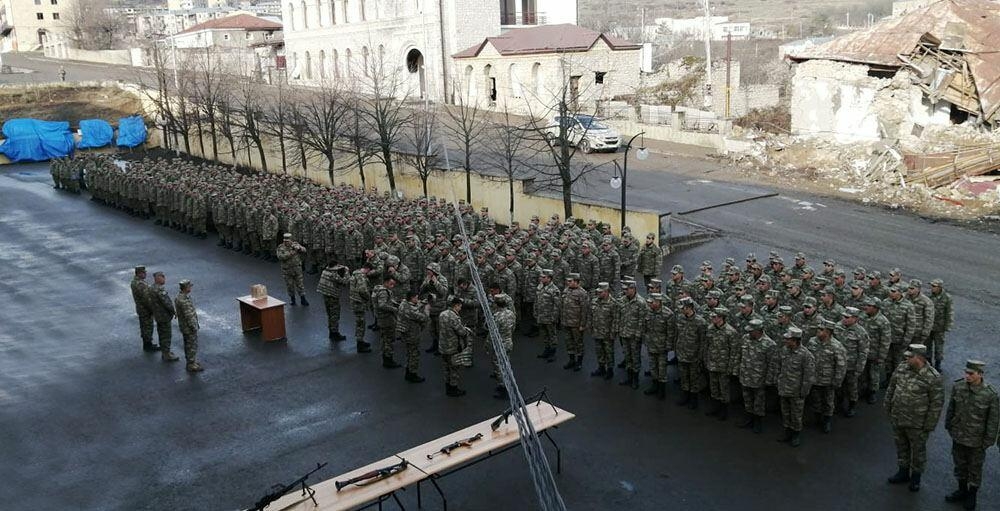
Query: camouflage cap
pixel 434 267
pixel 895 271
pixel 937 283
pixel 656 282
pixel 823 281
pixel 829 262
pixel 183 283
pixel 839 273
pixel 915 284
pixel 915 349
pixel 772 293
pixel 777 259
pixel 785 309
pixel 856 285
pixel 826 324
pixel 730 261
pixel 719 311
pixel 793 332
pixel 603 286
pixel 795 283
pixel 677 269
pixel 706 264
pixel 874 274
pixel 751 257
pixel 746 300
pixel 656 297
pixel 686 302
pixel 860 270
pixel 895 288
pixel 573 276
pixel 809 270
pixel 715 293
pixel 809 302
pixel 287 236
pixel 764 279
pixel 140 269
pixel 754 324
pixel 547 273
pixel 800 255
pixel 871 301
pixel 628 284
pixel 500 299
pixel 975 366
pixel 850 312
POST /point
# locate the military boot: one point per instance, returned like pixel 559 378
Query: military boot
pixel 693 404
pixel 662 387
pixel 168 356
pixel 685 399
pixel 635 380
pixel 414 377
pixel 901 476
pixel 758 425
pixel 292 301
pixel 959 494
pixel 363 347
pixel 723 411
pixel 827 424
pixel 221 243
pixel 915 481
pixel 653 389
pixel 194 367
pixel 150 347
pixel 786 436
pixel 454 391
pixel 796 439
pixel 852 409
pixel 389 363
pixel 747 422
pixel 304 301
pixel 609 373
pixel 598 372
pixel 572 362
pixel 579 364
pixel 971 498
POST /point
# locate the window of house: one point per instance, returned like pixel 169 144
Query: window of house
pixel 55 15
pixel 55 2
pixel 225 37
pixel 249 36
pixel 39 15
pixel 599 77
pixel 38 2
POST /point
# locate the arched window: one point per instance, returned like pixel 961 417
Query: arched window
pixel 309 70
pixel 381 54
pixel 364 58
pixel 514 82
pixel 347 63
pixel 362 10
pixel 336 64
pixel 490 83
pixel 322 65
pixel 305 15
pixel 295 64
pixel 470 84
pixel 291 15
pixel 347 17
pixel 333 12
pixel 536 78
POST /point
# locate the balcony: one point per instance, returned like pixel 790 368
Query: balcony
pixel 527 18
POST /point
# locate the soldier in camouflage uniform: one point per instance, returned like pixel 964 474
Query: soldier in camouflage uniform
pixel 632 310
pixel 796 368
pixel 857 345
pixel 923 312
pixel 434 289
pixel 187 321
pixel 944 317
pixel 575 304
pixel 903 320
pixel 757 367
pixel 604 328
pixel 548 302
pixel 505 320
pixel 386 305
pixel 659 334
pixel 650 256
pixel 913 402
pixel 973 421
pixel 290 255
pixel 360 296
pixel 629 253
pixel 880 334
pixel 143 309
pixel 333 279
pixel 454 338
pixel 163 313
pixel 830 359
pixel 411 317
pixel 690 349
pixel 721 340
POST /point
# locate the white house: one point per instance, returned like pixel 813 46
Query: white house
pixel 720 27
pixel 238 31
pixel 528 70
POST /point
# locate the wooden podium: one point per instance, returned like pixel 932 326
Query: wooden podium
pixel 266 314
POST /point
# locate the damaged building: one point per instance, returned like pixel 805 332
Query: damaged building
pixel 933 68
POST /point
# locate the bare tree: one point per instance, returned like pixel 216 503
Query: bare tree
pixel 92 26
pixel 508 149
pixel 384 111
pixel 208 91
pixel 155 90
pixel 423 126
pixel 251 118
pixel 321 115
pixel 277 117
pixel 464 127
pixel 228 107
pixel 356 133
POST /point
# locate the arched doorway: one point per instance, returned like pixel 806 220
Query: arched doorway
pixel 415 67
pixel 490 84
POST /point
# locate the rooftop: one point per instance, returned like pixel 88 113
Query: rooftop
pixel 547 39
pixel 237 22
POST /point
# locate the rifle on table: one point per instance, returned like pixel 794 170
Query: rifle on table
pixel 373 476
pixel 455 445
pixel 280 490
pixel 537 399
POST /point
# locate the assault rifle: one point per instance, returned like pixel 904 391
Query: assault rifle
pixel 374 475
pixel 280 490
pixel 537 399
pixel 455 445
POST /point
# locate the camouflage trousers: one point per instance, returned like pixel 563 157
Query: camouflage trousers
pixel 605 351
pixel 935 347
pixel 574 341
pixel 850 388
pixel 412 345
pixel 190 346
pixel 359 310
pixel 718 386
pixel 550 335
pixel 146 328
pixel 632 348
pixel 690 376
pixel 495 360
pixel 895 357
pixel 791 412
pixel 822 399
pixel 164 332
pixel 387 335
pixel 658 366
pixel 911 447
pixel 755 400
pixel 332 304
pixel 293 280
pixel 451 376
pixel 968 463
pixel 435 328
pixel 872 376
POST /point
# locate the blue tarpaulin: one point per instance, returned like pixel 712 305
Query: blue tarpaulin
pixel 131 131
pixel 95 133
pixel 34 140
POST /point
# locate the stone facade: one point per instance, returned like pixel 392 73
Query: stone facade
pixel 24 25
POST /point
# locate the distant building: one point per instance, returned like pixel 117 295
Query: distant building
pixel 720 28
pixel 801 45
pixel 158 23
pixel 185 5
pixel 514 13
pixel 237 31
pixel 528 70
pixel 24 24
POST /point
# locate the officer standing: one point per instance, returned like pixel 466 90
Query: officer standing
pixel 972 420
pixel 187 320
pixel 290 253
pixel 143 308
pixel 163 313
pixel 913 401
pixel 331 281
pixel 360 296
pixel 454 337
pixel 796 373
pixel 944 317
pixel 573 316
pixel 547 303
pixel 411 317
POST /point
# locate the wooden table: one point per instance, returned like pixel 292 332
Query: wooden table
pixel 266 314
pixel 543 417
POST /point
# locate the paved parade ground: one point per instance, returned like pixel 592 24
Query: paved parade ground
pixel 89 421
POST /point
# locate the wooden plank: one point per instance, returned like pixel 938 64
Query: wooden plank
pixel 543 416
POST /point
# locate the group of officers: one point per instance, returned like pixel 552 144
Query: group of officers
pixel 814 338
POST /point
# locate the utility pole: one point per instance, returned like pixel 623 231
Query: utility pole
pixel 729 65
pixel 708 55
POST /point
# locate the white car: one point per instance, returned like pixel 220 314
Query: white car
pixel 585 132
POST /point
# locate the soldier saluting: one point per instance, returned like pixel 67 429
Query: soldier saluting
pixel 972 420
pixel 143 308
pixel 289 253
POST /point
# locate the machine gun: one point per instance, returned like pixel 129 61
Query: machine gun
pixel 537 399
pixel 280 490
pixel 455 445
pixel 373 476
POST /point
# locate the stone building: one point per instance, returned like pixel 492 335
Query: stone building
pixel 25 24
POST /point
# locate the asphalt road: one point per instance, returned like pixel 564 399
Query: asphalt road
pixel 88 421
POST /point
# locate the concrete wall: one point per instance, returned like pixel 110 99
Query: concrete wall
pixel 834 99
pixel 669 134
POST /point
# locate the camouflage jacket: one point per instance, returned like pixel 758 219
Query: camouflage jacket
pixel 410 320
pixel 923 314
pixel 879 334
pixel 332 280
pixel 659 330
pixel 187 316
pixel 631 313
pixel 471 312
pixel 574 308
pixel 360 292
pixel 529 284
pixel 690 344
pixel 140 295
pixel 796 372
pixel 808 324
pixel 590 270
pixel 902 318
pixel 610 266
pixel 288 255
pixel 436 293
pixel 757 362
pixel 720 342
pixel 159 300
pixel 857 343
pixel 973 416
pixel 384 304
pixel 914 397
pixel 604 317
pixel 506 320
pixel 830 361
pixel 831 313
pixel 650 260
pixel 944 315
pixel 453 334
pixel 547 304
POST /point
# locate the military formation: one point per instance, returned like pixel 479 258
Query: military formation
pixel 811 342
pixel 154 306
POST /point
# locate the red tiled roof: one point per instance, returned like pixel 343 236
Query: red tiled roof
pixel 547 39
pixel 237 22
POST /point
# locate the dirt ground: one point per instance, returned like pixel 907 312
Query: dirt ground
pixel 67 103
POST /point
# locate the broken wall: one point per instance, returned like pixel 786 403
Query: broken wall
pixel 835 100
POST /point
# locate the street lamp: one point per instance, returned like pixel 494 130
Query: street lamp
pixel 622 181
